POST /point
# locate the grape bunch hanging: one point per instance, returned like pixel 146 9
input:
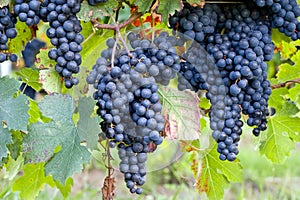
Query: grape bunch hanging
pixel 64 32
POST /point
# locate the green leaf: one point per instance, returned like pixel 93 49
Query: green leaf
pixel 215 175
pixel 88 12
pixel 277 99
pixel 32 182
pixel 288 72
pixel 69 160
pixel 58 107
pixel 16 146
pixel 88 128
pixel 294 95
pixel 13 110
pixel 44 61
pixel 168 7
pixel 34 112
pixel 182 112
pixel 65 189
pixel 281 135
pixel 59 135
pixel 144 6
pixel 31 77
pixel 287 49
pixel 16 45
pixel 92 48
pixel 51 81
pixel 5 138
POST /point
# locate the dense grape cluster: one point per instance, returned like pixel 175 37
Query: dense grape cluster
pixel 127 98
pixel 283 15
pixel 240 45
pixel 7 31
pixel 28 11
pixel 64 34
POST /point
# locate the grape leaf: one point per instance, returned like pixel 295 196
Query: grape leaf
pixel 196 2
pixel 287 49
pixel 181 108
pixel 43 138
pixel 281 135
pixel 43 60
pixel 288 72
pixel 17 44
pixel 294 95
pixel 277 99
pixel 88 128
pixel 88 12
pixel 5 138
pixel 32 182
pixel 58 107
pixel 51 81
pixel 167 7
pixel 16 146
pixel 65 189
pixel 31 77
pixel 69 160
pixel 13 110
pixel 215 175
pixel 144 6
pixel 34 112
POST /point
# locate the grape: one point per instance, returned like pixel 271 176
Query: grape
pixel 64 34
pixel 28 11
pixel 7 31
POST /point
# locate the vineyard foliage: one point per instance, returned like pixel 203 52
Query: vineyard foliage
pixel 51 138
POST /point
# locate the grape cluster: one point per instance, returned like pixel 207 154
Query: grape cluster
pixel 28 11
pixel 127 98
pixel 240 44
pixel 64 34
pixel 7 31
pixel 94 2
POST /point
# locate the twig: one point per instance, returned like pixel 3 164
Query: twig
pixel 280 85
pixel 133 17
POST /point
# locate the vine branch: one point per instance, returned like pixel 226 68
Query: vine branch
pixel 115 27
pixel 280 85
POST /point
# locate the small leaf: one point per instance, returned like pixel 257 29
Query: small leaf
pixel 181 108
pixel 5 138
pixel 51 81
pixel 88 128
pixel 16 117
pixel 32 182
pixel 168 7
pixel 30 77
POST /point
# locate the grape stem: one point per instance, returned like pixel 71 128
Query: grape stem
pixel 280 85
pixel 116 27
